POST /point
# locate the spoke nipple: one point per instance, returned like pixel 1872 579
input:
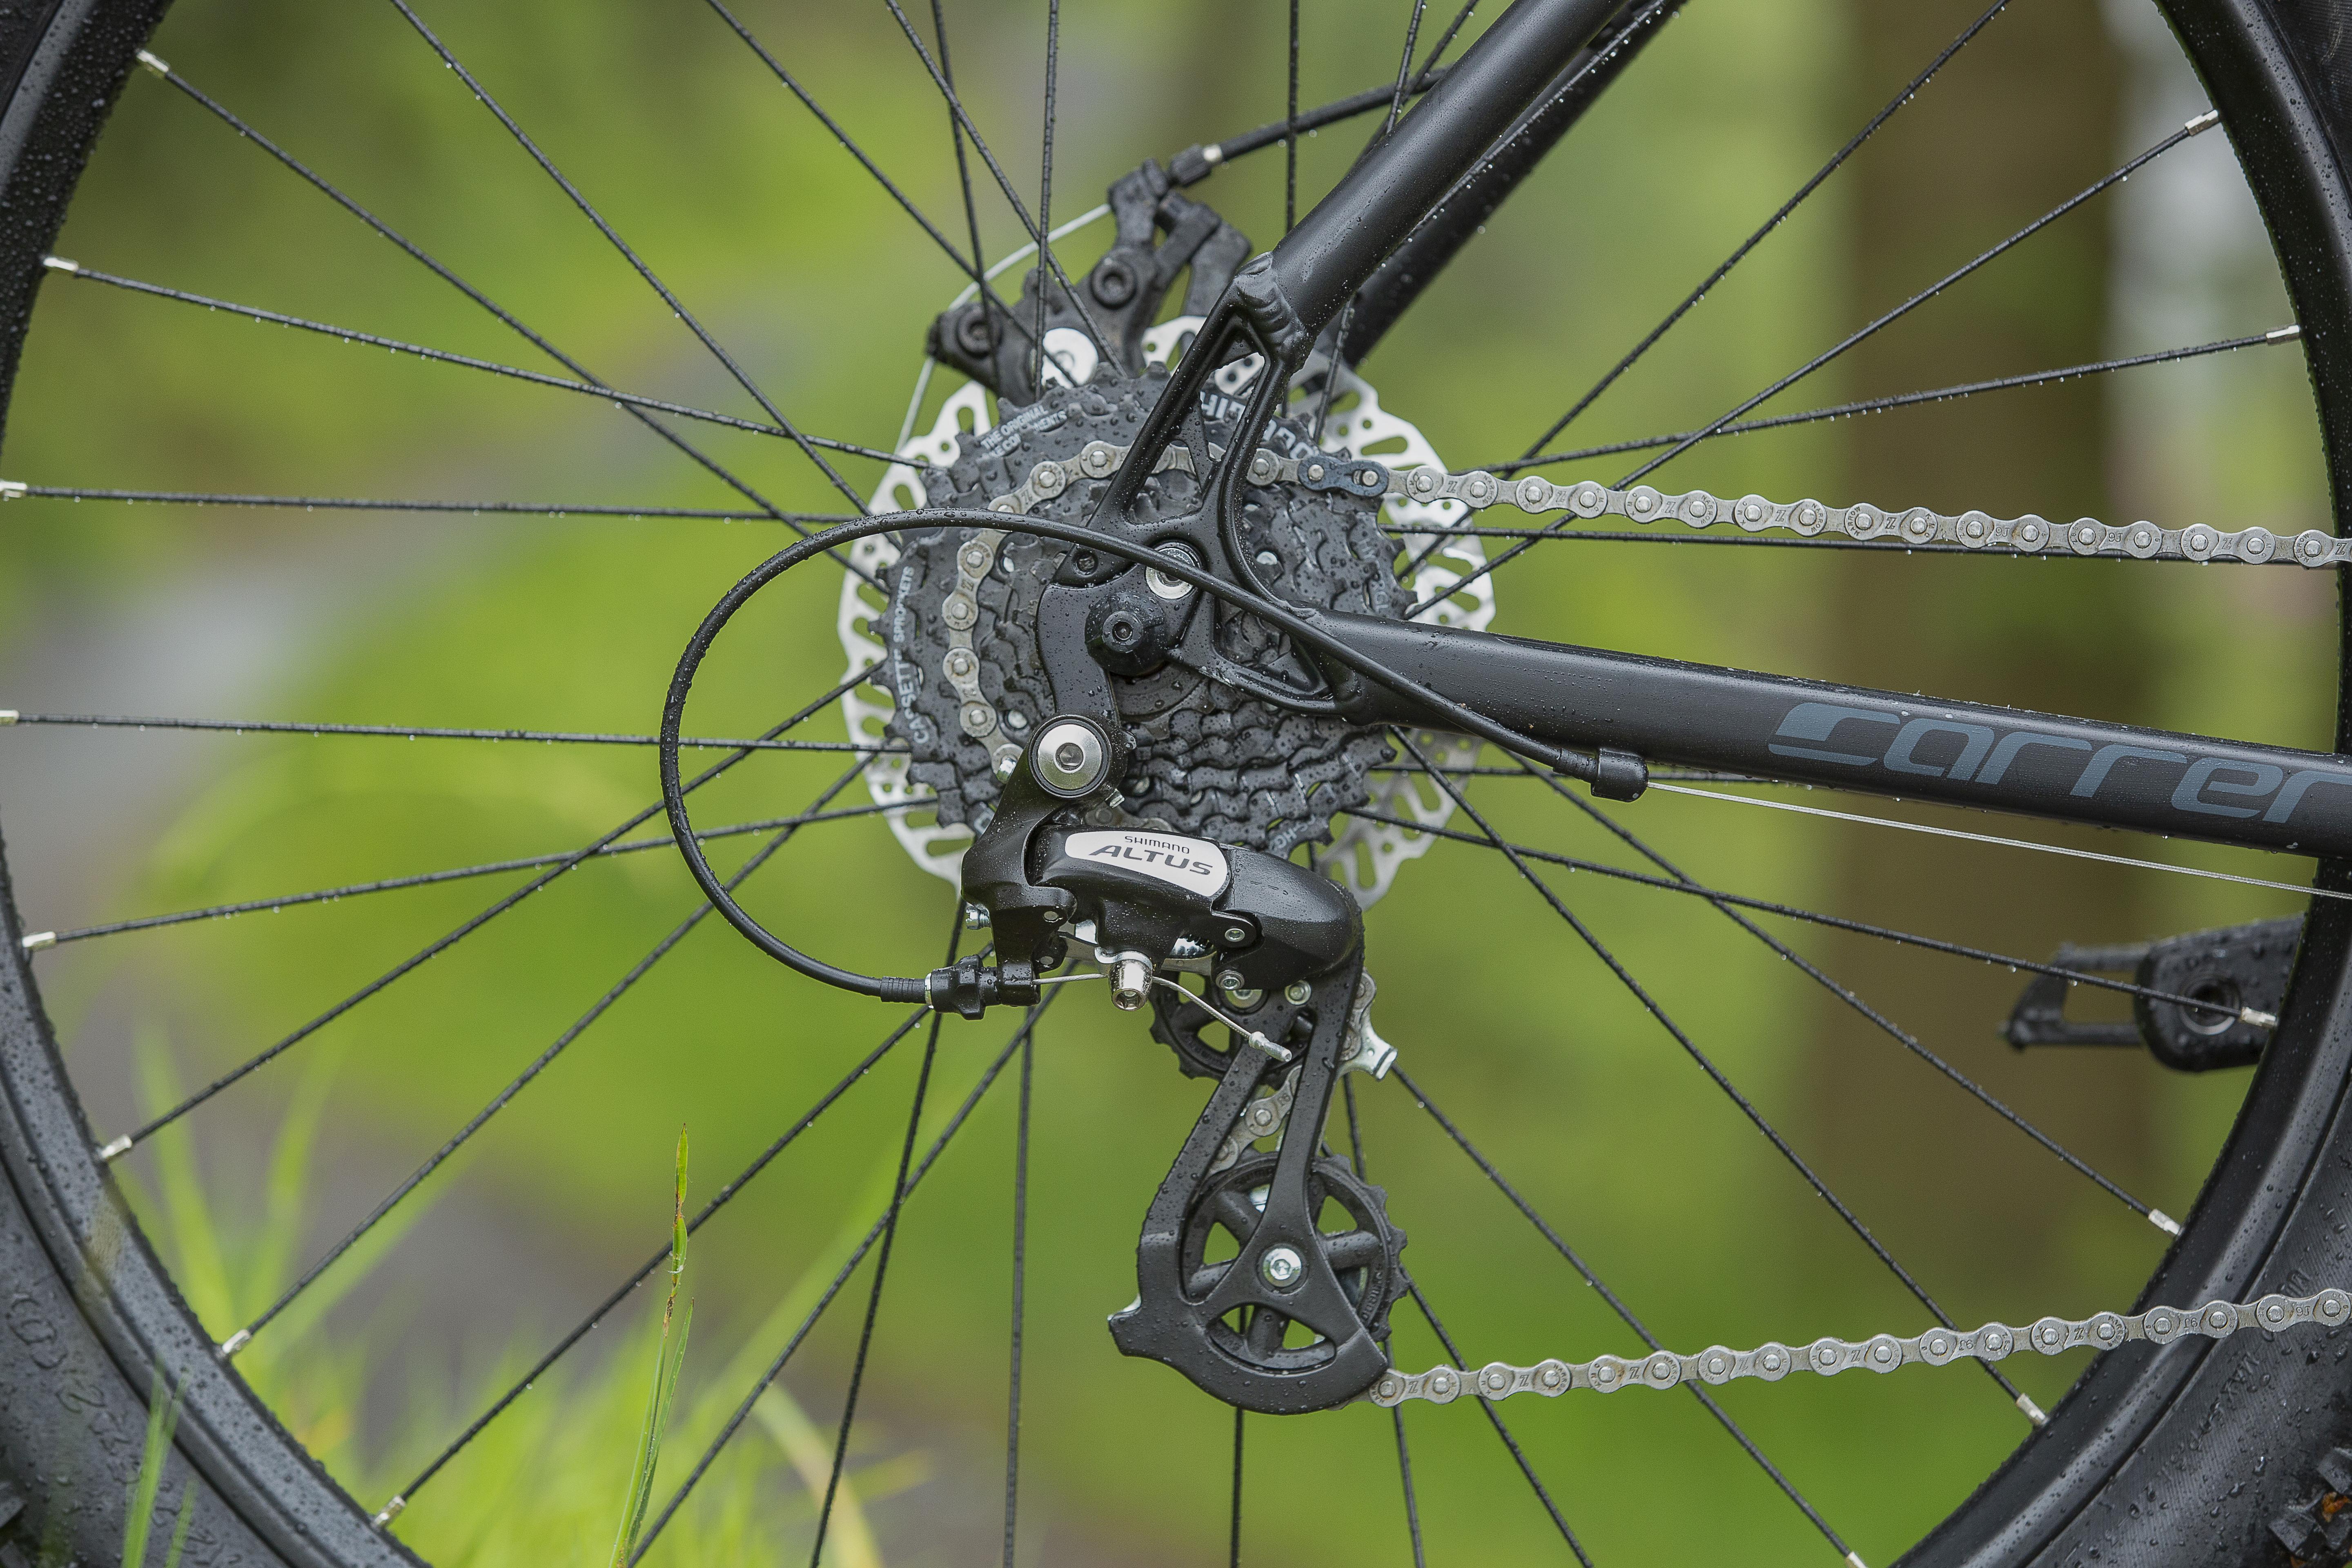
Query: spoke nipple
pixel 2205 122
pixel 2032 1411
pixel 2259 1019
pixel 59 264
pixel 390 1511
pixel 2164 1222
pixel 37 941
pixel 116 1149
pixel 1856 1558
pixel 7 715
pixel 236 1342
pixel 11 489
pixel 2280 334
pixel 154 62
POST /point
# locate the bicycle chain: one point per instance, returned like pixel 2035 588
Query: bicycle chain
pixel 1477 490
pixel 1881 1353
pixel 1587 499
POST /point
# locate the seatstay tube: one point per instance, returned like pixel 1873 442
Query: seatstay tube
pixel 1851 737
pixel 1350 231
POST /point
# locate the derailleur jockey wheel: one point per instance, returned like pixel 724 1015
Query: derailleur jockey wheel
pixel 1364 1256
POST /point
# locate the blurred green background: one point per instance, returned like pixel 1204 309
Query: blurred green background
pixel 823 289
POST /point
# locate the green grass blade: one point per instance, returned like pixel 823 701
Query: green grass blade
pixel 162 1416
pixel 180 1526
pixel 670 1360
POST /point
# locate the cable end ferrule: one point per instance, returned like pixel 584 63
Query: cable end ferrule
pixel 2258 1018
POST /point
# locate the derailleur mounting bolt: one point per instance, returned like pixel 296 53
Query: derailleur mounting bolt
pixel 1281 1267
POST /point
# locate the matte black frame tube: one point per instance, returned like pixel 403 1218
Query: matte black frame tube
pixel 1855 738
pixel 1323 261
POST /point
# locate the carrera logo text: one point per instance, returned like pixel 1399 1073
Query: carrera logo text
pixel 1961 748
pixel 1194 865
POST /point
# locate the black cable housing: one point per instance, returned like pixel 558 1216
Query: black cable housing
pixel 1302 624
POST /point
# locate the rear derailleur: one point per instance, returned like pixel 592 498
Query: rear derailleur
pixel 1240 1284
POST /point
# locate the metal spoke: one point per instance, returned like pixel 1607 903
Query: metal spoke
pixel 1003 183
pixel 1234 1533
pixel 442 943
pixel 808 446
pixel 1835 922
pixel 882 1260
pixel 1519 1457
pixel 1910 1042
pixel 1739 254
pixel 1616 1304
pixel 2135 863
pixel 1046 185
pixel 1404 70
pixel 2196 127
pixel 326 188
pixel 1707 1065
pixel 970 267
pixel 522 1081
pixel 1404 1453
pixel 443 356
pixel 1290 133
pixel 955 134
pixel 11 489
pixel 775 1368
pixel 415 732
pixel 35 941
pixel 661 1255
pixel 1020 1304
pixel 1907 399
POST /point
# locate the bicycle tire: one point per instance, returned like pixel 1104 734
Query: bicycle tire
pixel 2225 1435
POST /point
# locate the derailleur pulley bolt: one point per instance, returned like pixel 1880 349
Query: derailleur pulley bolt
pixel 1281 1267
pixel 1296 992
pixel 1130 975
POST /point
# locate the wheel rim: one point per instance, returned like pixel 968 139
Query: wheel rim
pixel 2285 1096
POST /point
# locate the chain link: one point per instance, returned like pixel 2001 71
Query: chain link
pixel 1641 504
pixel 1882 1354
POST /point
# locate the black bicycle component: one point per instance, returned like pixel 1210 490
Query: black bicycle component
pixel 1124 289
pixel 2234 967
pixel 1308 277
pixel 1044 868
pixel 1848 737
pixel 1363 1257
pixel 1414 264
pixel 1186 1314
